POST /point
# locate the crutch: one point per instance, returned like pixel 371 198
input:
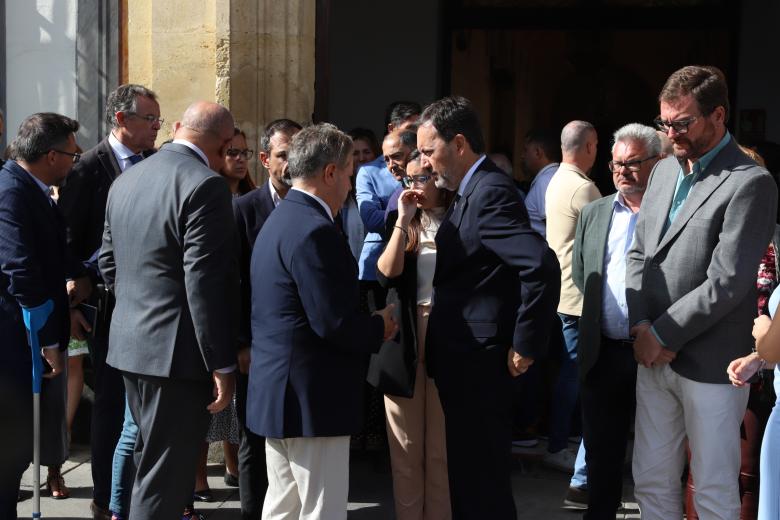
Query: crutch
pixel 34 319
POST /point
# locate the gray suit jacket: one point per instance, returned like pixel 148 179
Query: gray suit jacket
pixel 587 264
pixel 170 256
pixel 697 282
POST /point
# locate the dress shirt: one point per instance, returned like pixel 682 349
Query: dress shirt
pixel 614 311
pixel 194 148
pixel 322 202
pixel 534 201
pixel 121 152
pixel 373 186
pixel 470 173
pixel 275 198
pixel 426 254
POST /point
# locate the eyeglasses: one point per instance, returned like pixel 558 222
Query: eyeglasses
pixel 235 152
pixel 419 180
pixel 634 166
pixel 75 156
pixel 680 126
pixel 149 119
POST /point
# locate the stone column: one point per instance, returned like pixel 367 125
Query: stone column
pixel 254 56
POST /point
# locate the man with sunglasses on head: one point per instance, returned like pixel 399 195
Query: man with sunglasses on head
pixel 707 216
pixel 133 114
pixel 607 369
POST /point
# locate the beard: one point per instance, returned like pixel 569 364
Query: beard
pixel 694 148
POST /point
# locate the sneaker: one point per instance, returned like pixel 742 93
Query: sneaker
pixel 525 440
pixel 561 460
pixel 576 499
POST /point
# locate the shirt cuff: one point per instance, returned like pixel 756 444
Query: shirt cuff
pixel 47 347
pixel 655 333
pixel 226 370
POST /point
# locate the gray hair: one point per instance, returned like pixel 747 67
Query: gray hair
pixel 41 133
pixel 124 99
pixel 316 146
pixel 640 133
pixel 575 134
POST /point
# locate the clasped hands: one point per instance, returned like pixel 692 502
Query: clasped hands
pixel 648 352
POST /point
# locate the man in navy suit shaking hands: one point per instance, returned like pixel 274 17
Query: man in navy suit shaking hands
pixel 310 342
pixel 495 290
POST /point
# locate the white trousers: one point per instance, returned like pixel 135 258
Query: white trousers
pixel 308 478
pixel 670 408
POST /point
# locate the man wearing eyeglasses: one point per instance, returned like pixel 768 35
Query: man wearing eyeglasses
pixel 33 267
pixel 607 368
pixel 133 113
pixel 707 217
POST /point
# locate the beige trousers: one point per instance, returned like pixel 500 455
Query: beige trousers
pixel 418 451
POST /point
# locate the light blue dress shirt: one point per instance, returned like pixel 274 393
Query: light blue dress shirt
pixel 373 187
pixel 534 201
pixel 614 311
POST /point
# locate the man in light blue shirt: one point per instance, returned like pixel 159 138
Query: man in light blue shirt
pixel 607 369
pixel 542 156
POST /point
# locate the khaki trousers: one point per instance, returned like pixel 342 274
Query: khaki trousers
pixel 418 449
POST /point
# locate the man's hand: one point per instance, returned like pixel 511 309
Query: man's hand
pixel 760 326
pixel 78 290
pixel 518 365
pixel 79 326
pixel 646 346
pixel 244 359
pixel 54 358
pixel 666 356
pixel 742 369
pixel 224 386
pixel 391 326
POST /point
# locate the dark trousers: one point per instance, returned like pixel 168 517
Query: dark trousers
pixel 608 396
pixel 16 434
pixel 475 389
pixel 172 422
pixel 107 417
pixel 252 473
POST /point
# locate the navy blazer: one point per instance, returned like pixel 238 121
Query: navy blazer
pixel 33 265
pixel 250 211
pixel 310 342
pixel 497 283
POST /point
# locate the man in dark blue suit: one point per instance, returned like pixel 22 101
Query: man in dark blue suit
pixel 251 211
pixel 33 269
pixel 494 292
pixel 310 343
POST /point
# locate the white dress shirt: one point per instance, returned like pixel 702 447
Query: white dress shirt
pixel 322 202
pixel 194 148
pixel 275 194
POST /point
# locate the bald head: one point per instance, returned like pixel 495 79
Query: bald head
pixel 578 144
pixel 209 126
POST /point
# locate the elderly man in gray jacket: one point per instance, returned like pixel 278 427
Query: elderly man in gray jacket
pixel 706 219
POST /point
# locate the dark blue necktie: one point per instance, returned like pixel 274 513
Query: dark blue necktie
pixel 135 159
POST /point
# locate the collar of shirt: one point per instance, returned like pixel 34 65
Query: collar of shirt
pixel 570 167
pixel 274 194
pixel 193 148
pixel 550 167
pixel 465 181
pixel 121 152
pixel 322 202
pixel 707 158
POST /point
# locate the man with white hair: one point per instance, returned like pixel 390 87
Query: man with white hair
pixel 569 191
pixel 605 231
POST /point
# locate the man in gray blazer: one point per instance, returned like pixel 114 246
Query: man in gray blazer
pixel 169 254
pixel 605 231
pixel 706 220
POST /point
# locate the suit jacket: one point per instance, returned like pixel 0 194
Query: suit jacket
pixel 590 246
pixel 33 266
pixel 250 212
pixel 170 256
pixel 83 198
pixel 696 283
pixel 310 342
pixel 496 281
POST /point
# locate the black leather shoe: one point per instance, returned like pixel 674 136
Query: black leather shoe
pixel 99 513
pixel 204 495
pixel 576 499
pixel 231 480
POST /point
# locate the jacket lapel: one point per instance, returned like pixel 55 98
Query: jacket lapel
pixel 601 232
pixel 107 160
pixel 717 172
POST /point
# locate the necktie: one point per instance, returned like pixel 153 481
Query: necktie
pixel 135 159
